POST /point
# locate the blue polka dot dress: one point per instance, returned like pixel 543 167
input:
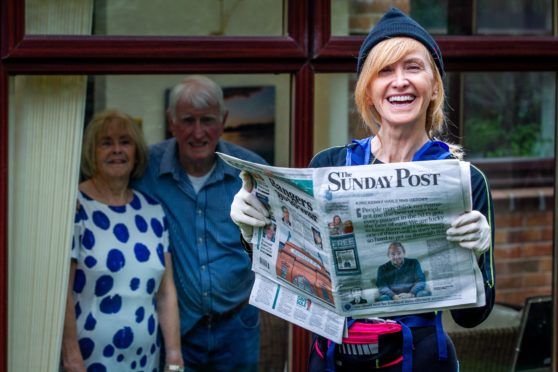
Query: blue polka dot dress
pixel 120 263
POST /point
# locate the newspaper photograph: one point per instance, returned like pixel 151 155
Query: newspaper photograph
pixel 337 234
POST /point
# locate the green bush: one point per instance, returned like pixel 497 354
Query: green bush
pixel 488 138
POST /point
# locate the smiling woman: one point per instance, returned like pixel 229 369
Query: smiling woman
pixel 399 95
pixel 121 265
pixel 114 152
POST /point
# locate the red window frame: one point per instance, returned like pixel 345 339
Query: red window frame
pixel 307 49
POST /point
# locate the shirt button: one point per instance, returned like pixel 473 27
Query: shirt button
pixel 203 267
pixel 200 212
pixel 200 240
pixel 205 294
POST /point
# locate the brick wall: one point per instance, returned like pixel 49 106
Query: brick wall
pixel 366 13
pixel 523 243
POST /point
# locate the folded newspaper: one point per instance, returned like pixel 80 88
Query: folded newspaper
pixel 361 241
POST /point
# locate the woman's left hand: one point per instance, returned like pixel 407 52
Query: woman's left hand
pixel 472 231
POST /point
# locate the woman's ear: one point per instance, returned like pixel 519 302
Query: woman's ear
pixel 435 90
pixel 369 101
pixel 368 98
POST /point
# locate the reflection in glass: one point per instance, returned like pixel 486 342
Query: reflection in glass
pixel 432 15
pixel 336 120
pixel 162 17
pixel 251 119
pixel 357 17
pixel 443 17
pixel 514 17
pixel 58 17
pixel 258 107
pixel 509 114
pixel 508 125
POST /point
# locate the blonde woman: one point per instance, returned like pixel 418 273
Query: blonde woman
pixel 400 96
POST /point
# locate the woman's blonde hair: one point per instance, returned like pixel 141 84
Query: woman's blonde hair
pixel 384 54
pixel 98 125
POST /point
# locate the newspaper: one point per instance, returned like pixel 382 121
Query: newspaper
pixel 325 254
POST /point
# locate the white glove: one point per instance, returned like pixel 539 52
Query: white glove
pixel 247 211
pixel 471 230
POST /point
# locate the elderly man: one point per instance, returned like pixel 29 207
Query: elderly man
pixel 212 270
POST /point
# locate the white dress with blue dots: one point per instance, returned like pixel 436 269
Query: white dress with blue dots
pixel 120 263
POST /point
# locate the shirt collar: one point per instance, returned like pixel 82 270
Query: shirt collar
pixel 169 161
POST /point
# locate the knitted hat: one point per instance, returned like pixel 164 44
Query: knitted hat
pixel 395 23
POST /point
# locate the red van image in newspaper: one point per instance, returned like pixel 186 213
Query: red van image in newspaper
pixel 299 268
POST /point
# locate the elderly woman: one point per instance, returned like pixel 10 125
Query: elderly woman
pixel 121 286
pixel 400 97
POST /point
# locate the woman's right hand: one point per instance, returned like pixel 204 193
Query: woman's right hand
pixel 247 211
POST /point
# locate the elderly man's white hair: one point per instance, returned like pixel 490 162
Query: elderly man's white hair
pixel 199 91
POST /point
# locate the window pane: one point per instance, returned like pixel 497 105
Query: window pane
pixel 443 17
pixel 357 17
pixel 258 105
pixel 509 114
pixel 431 14
pixel 508 126
pixel 332 118
pixel 161 18
pixel 514 17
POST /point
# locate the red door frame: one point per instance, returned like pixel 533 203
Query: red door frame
pixel 307 49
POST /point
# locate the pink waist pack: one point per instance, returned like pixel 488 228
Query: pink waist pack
pixel 371 344
pixel 375 343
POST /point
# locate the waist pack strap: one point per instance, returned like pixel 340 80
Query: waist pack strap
pixel 441 336
pixel 407 348
pixel 330 363
pixel 418 321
